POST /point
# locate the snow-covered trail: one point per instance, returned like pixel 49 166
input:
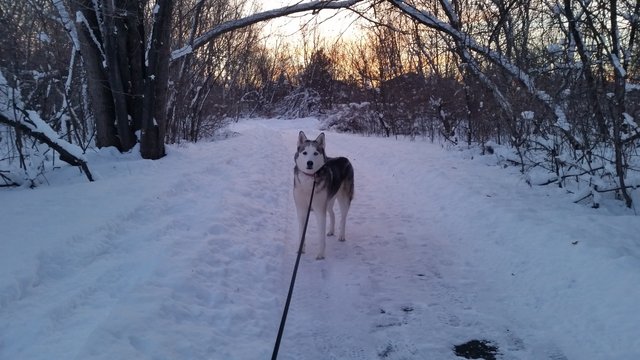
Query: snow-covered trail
pixel 190 257
pixel 185 266
pixel 411 280
pixel 441 250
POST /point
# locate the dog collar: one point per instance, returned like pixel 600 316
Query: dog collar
pixel 309 175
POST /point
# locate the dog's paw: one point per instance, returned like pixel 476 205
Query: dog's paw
pixel 320 257
pixel 330 233
pixel 342 238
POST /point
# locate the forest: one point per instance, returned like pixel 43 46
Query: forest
pixel 556 81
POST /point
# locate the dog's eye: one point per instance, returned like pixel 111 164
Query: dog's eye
pixel 304 153
pixel 315 153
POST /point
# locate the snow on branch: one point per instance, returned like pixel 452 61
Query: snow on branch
pixel 468 42
pixel 68 24
pixel 13 114
pixel 256 18
pixel 84 22
pixel 632 87
pixel 465 39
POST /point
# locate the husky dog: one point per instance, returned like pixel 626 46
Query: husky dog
pixel 334 180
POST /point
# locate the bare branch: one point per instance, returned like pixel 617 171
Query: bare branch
pixel 466 42
pixel 259 17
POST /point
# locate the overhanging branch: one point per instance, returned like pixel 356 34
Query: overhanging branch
pixel 259 17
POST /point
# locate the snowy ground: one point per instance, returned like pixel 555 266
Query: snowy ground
pixel 189 257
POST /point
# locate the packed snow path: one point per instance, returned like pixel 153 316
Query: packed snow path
pixel 190 257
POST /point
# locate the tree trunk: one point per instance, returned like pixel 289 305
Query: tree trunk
pixel 112 48
pixel 618 105
pixel 154 115
pixel 135 49
pixel 98 84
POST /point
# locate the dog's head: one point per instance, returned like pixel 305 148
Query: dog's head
pixel 310 155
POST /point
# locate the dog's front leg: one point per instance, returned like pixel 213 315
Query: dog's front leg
pixel 321 217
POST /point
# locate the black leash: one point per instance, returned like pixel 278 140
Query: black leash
pixel 274 356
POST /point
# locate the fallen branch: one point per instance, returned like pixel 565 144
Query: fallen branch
pixel 8 182
pixel 30 128
pixel 13 114
pixel 619 188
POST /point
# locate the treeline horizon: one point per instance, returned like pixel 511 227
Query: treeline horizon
pixel 558 81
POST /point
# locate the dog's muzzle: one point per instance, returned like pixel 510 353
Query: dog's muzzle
pixel 309 165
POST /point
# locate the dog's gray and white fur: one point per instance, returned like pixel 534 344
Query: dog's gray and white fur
pixel 334 180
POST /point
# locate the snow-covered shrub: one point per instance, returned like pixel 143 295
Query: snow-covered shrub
pixel 355 118
pixel 301 102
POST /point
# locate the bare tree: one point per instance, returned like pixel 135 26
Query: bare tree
pixel 501 55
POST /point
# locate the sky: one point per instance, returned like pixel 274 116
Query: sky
pixel 331 24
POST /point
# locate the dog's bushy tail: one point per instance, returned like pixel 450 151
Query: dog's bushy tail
pixel 350 183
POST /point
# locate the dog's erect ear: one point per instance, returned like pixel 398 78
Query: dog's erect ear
pixel 320 140
pixel 301 138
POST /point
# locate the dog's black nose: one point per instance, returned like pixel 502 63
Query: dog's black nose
pixel 309 164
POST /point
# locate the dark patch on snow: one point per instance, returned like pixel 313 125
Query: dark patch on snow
pixel 488 149
pixel 407 309
pixel 389 324
pixel 386 352
pixel 477 349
